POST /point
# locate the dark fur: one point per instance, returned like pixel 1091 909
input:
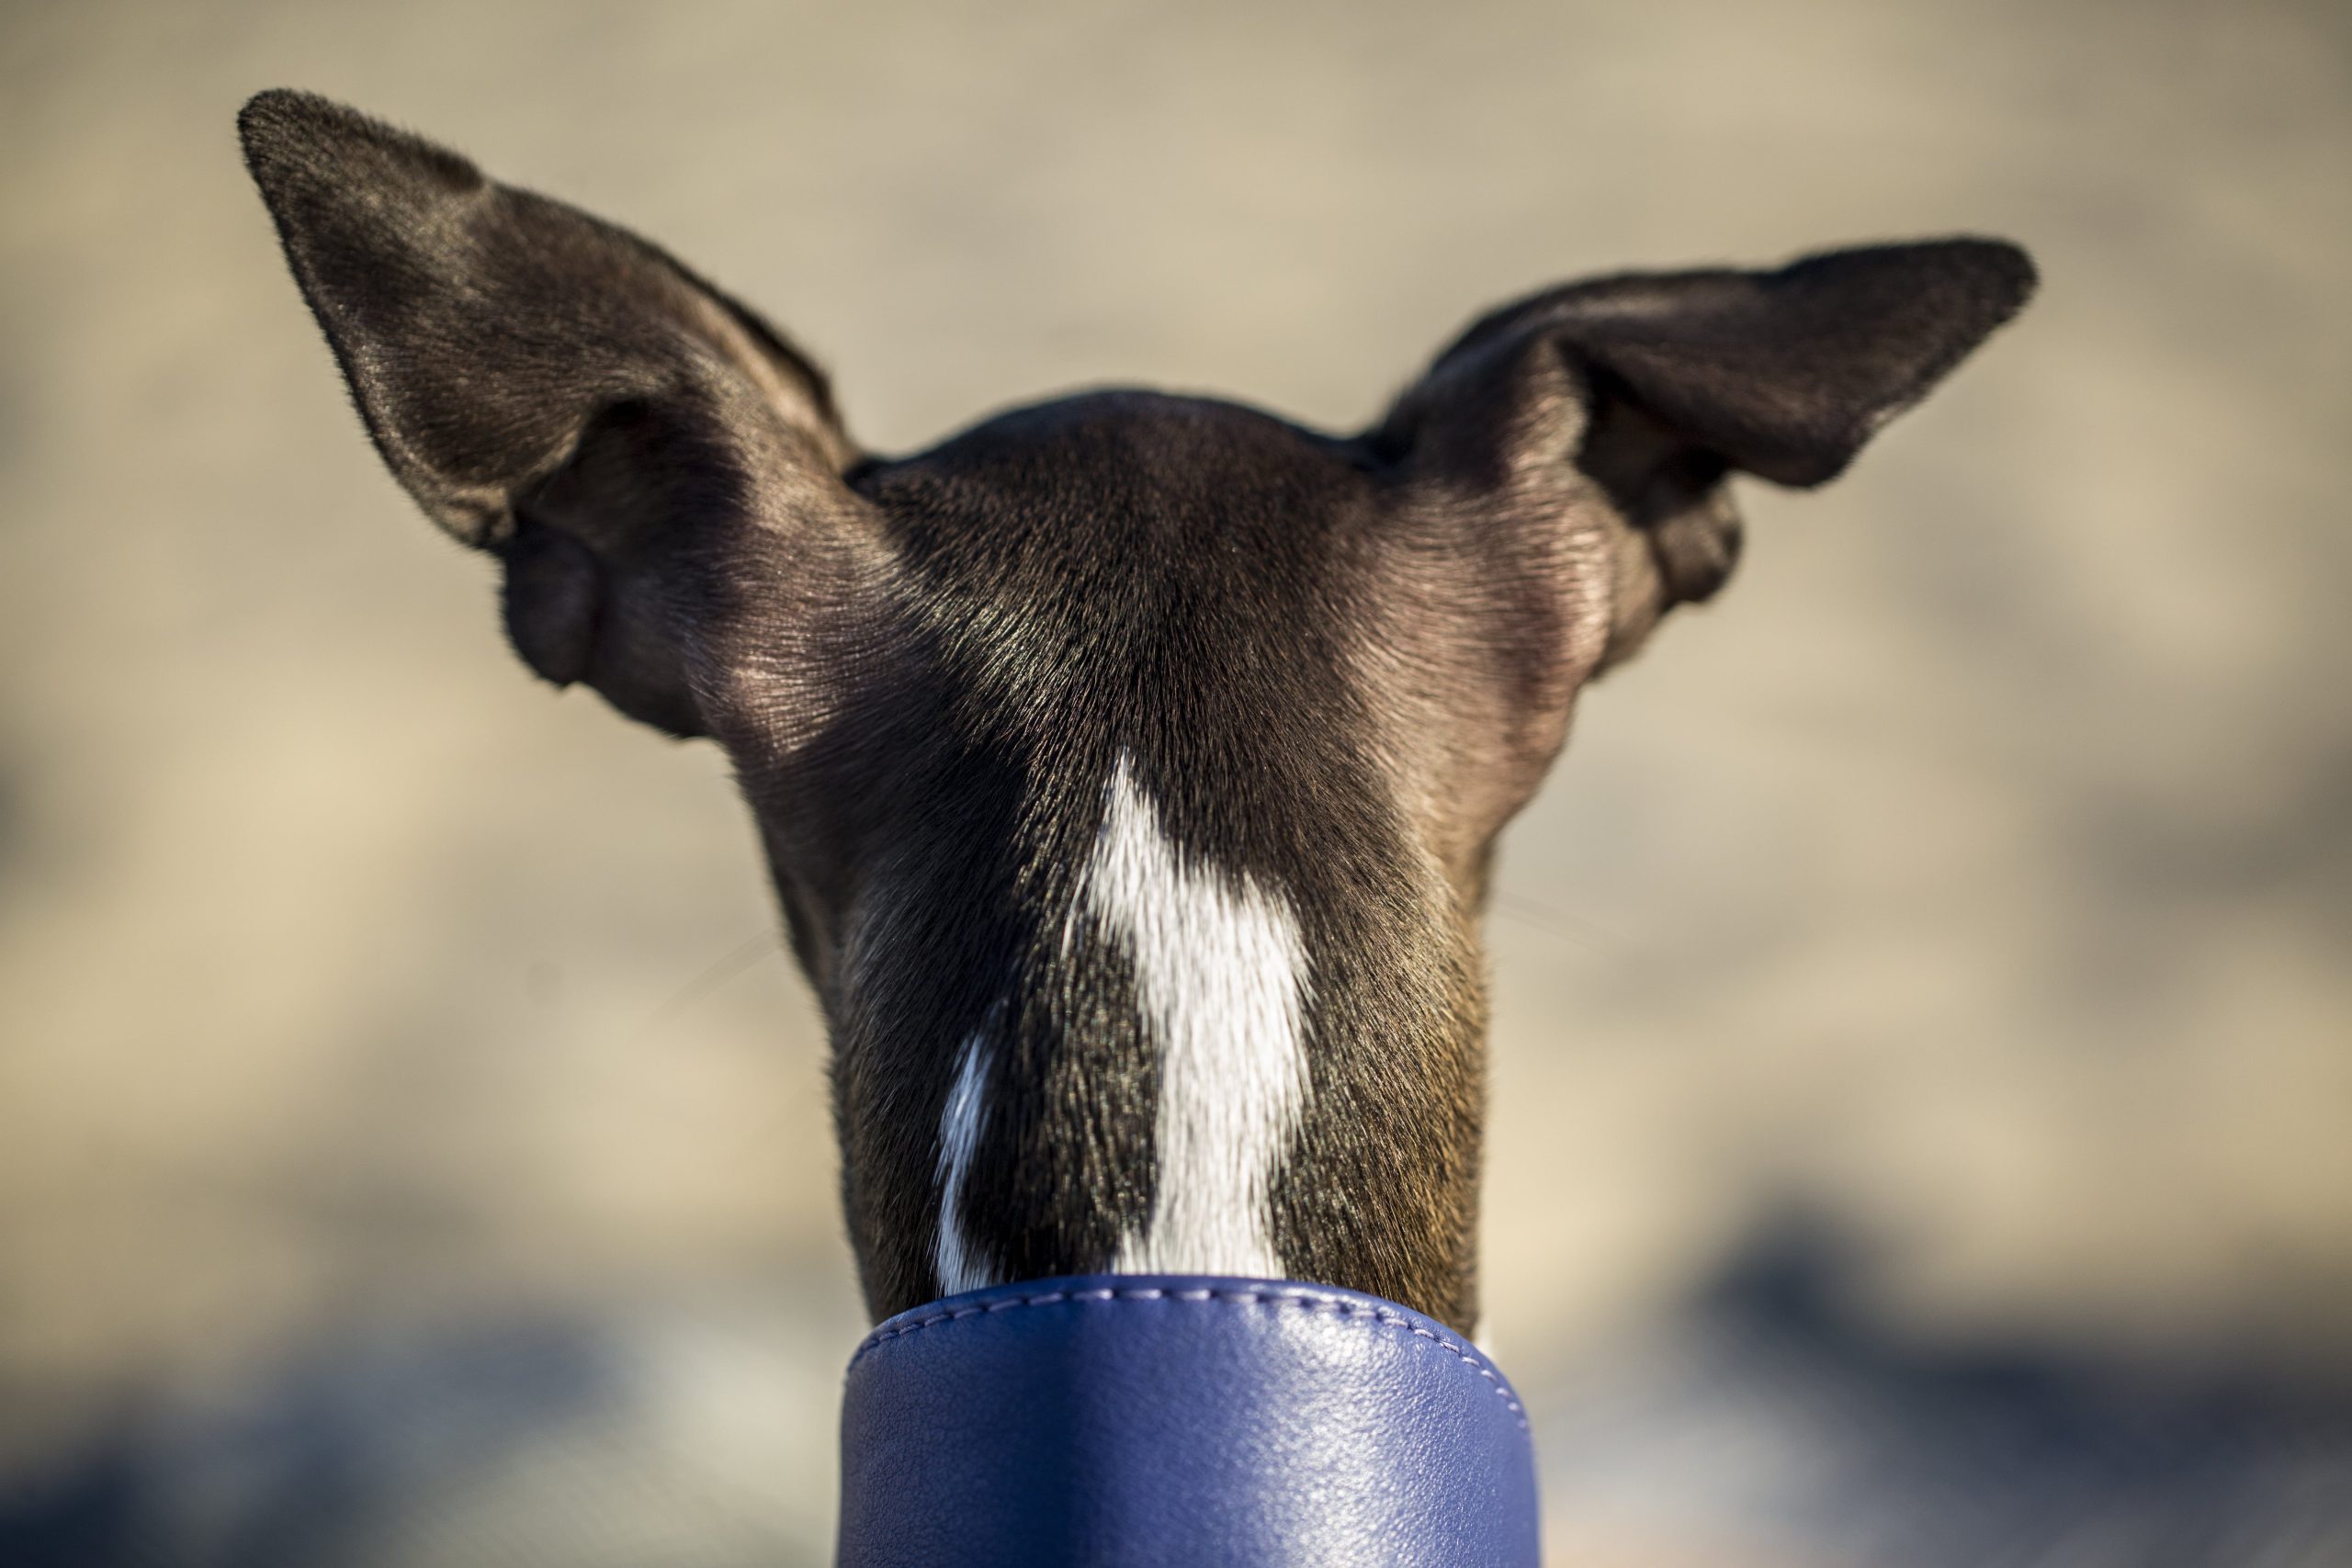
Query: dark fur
pixel 1336 665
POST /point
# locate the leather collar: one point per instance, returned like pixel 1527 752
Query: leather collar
pixel 1118 1419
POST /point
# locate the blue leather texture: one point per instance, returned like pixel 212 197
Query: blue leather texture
pixel 1134 1419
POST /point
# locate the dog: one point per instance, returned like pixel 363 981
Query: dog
pixel 1129 766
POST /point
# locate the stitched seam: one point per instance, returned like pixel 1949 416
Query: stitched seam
pixel 1232 1298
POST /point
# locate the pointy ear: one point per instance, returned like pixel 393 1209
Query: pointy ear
pixel 546 386
pixel 1658 383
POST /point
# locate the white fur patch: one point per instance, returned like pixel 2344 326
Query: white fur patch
pixel 1220 981
pixel 960 1262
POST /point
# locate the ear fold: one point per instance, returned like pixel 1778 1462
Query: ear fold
pixel 1784 374
pixel 546 386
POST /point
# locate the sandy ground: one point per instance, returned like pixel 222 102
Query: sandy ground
pixel 1973 879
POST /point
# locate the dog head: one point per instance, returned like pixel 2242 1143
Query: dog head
pixel 1128 764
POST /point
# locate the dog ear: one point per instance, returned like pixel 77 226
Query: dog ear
pixel 1661 382
pixel 546 386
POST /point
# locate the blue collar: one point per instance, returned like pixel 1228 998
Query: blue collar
pixel 1119 1419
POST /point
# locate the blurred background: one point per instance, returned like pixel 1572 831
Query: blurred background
pixel 1922 1121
